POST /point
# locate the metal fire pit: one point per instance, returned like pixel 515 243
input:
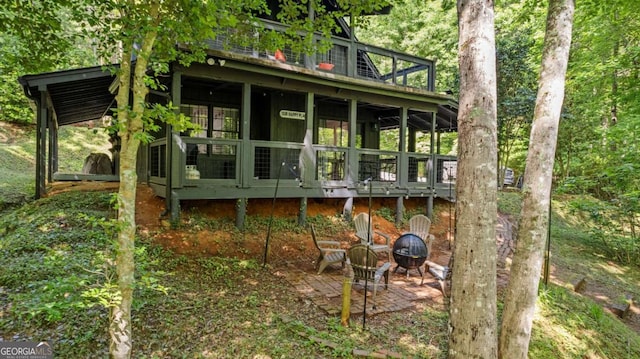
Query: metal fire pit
pixel 410 252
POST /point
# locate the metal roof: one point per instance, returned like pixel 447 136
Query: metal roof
pixel 75 95
pixel 83 94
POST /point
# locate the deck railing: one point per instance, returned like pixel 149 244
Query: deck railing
pixel 376 165
pixel 219 161
pixel 420 169
pixel 213 158
pixel 344 57
pixel 446 170
pixel 331 163
pixel 276 161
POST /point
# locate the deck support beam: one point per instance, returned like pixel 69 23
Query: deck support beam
pixel 241 211
pixel 302 213
pixel 41 143
pixel 399 210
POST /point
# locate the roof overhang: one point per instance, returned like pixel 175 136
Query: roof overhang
pixel 76 95
pixel 444 105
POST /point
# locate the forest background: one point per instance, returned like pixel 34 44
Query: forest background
pixel 597 147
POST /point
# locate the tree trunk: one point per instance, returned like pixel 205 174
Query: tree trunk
pixel 120 325
pixel 472 320
pixel 130 124
pixel 522 290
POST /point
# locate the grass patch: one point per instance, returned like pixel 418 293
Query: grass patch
pixel 77 142
pixel 510 203
pixel 18 151
pixel 568 325
pixel 17 161
pixel 54 252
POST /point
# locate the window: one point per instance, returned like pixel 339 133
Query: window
pixel 226 122
pixel 223 122
pixel 333 133
pixel 214 122
pixel 199 115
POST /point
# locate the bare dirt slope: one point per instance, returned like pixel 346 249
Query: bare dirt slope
pixel 284 247
pixel 287 248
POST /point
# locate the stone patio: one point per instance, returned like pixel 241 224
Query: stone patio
pixel 404 292
pixel 325 290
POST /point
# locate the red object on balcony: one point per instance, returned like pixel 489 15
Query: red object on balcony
pixel 326 66
pixel 279 55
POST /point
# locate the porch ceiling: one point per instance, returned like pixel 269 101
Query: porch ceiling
pixel 446 118
pixel 75 95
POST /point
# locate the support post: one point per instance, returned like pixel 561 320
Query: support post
pixel 175 208
pixel 53 150
pixel 302 214
pixel 170 197
pixel 246 153
pixel 41 145
pixel 399 210
pixel 241 211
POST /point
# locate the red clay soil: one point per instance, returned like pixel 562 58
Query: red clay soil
pixel 284 247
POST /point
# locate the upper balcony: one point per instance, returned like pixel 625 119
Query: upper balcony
pixel 347 57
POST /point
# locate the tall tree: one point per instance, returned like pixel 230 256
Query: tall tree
pixel 522 289
pixel 149 32
pixel 473 323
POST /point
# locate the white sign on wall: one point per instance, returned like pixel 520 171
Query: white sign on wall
pixel 294 115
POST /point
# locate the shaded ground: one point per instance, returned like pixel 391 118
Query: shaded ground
pixel 285 249
pixel 295 250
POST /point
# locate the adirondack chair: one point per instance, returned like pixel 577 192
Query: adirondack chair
pixel 441 273
pixel 419 225
pixel 364 231
pixel 330 252
pixel 364 266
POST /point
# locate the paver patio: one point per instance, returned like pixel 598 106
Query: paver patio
pixel 404 292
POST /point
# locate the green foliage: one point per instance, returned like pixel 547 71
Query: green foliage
pixel 421 28
pixel 17 149
pixel 516 94
pixel 595 152
pixel 75 143
pixel 387 213
pixel 37 36
pixel 52 253
pixel 259 224
pixel 614 225
pixel 571 326
pixel 510 203
pixel 55 279
pixel 14 106
pixel 60 250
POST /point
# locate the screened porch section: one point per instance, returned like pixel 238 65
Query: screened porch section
pixel 337 143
